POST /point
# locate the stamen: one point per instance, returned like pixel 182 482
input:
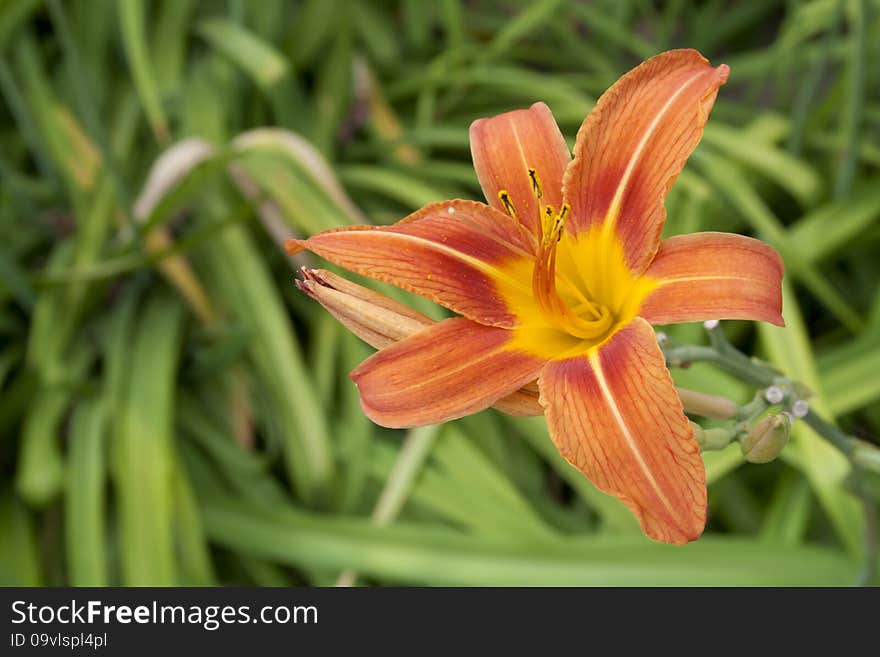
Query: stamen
pixel 547 222
pixel 563 214
pixel 536 183
pixel 560 220
pixel 544 284
pixel 504 197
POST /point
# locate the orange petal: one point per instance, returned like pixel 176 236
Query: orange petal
pixel 613 414
pixel 714 276
pixel 451 369
pixel 456 253
pixel 633 145
pixel 504 147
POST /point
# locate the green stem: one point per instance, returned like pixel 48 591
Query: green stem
pixel 861 455
pixel 734 362
pixel 728 358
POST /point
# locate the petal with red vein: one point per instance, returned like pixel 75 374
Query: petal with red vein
pixel 614 414
pixel 457 253
pixel 451 369
pixel 504 147
pixel 714 276
pixel 633 145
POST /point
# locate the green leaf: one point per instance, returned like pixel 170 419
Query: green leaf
pixel 849 374
pixel 236 271
pixel 85 503
pixel 789 172
pixel 526 22
pixel 19 554
pixel 143 444
pixel 440 557
pixel 133 28
pixel 265 65
pixel 394 184
pixel 828 228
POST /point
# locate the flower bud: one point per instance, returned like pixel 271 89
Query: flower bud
pixel 373 317
pixel 713 406
pixel 767 438
pixel 711 439
pixel 380 321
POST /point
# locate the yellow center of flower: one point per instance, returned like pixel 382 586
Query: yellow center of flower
pixel 581 292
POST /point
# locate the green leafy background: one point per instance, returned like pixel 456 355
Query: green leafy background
pixel 174 412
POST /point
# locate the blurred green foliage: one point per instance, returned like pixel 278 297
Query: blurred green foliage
pixel 173 412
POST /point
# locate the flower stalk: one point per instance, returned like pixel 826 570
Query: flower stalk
pixel 864 457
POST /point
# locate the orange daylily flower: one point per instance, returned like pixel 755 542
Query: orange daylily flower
pixel 559 278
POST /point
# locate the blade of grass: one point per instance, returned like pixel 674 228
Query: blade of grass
pixel 849 374
pixel 440 557
pixel 240 277
pixel 526 22
pixel 19 556
pixel 144 457
pixel 852 118
pixel 262 62
pixel 412 456
pixel 169 43
pixel 194 557
pixel 13 14
pixel 84 499
pixel 791 173
pixel 786 519
pixel 355 433
pixel 828 228
pixel 397 185
pixel 247 473
pixel 314 25
pixel 133 29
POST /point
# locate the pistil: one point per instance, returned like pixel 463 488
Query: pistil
pixel 592 320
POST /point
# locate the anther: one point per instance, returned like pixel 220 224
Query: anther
pixel 504 197
pixel 563 213
pixel 561 219
pixel 547 222
pixel 536 183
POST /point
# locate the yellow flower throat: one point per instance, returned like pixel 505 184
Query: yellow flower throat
pixel 582 289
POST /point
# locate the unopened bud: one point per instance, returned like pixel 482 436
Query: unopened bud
pixel 373 317
pixel 767 438
pixel 380 321
pixel 711 439
pixel 701 403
